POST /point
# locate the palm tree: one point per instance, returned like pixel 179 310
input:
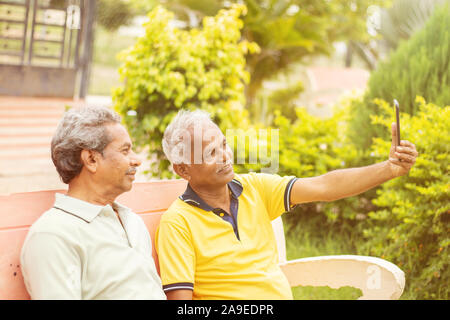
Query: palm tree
pixel 404 18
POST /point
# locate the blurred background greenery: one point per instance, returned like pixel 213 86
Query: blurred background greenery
pixel 248 64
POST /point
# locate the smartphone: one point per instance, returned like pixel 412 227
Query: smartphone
pixel 397 119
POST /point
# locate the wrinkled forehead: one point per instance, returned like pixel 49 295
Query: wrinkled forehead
pixel 117 134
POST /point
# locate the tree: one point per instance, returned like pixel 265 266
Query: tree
pixel 391 26
pixel 287 31
pixel 404 18
pixel 418 67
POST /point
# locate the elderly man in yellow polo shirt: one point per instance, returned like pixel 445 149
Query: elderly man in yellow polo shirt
pixel 87 246
pixel 216 240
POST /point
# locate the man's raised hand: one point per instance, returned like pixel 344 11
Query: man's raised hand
pixel 402 157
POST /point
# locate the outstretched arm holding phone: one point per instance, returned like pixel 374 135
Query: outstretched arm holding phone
pixel 343 183
pixel 191 243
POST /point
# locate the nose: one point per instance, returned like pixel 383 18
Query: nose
pixel 227 154
pixel 135 159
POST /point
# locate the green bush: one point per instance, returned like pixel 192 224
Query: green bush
pixel 411 225
pixel 169 69
pixel 311 146
pixel 420 66
pixel 284 99
pixel 404 221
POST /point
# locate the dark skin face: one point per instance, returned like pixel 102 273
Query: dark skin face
pixel 210 177
pixel 117 167
pixel 106 175
pixel 215 169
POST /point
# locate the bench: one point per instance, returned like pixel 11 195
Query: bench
pixel 377 278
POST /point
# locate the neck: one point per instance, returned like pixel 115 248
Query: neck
pixel 215 197
pixel 89 192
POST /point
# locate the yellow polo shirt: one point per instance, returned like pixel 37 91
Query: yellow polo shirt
pixel 218 259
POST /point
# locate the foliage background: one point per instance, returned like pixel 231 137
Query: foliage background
pixel 218 63
pixel 419 66
pixel 411 223
pixel 169 69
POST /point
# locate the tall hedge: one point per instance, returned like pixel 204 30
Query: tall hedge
pixel 419 67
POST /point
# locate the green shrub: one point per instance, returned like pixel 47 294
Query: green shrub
pixel 308 145
pixel 283 100
pixel 311 146
pixel 411 225
pixel 420 66
pixel 169 69
pixel 405 221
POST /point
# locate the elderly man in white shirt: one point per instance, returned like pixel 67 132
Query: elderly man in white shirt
pixel 87 246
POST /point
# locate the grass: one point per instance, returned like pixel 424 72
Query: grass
pixel 325 293
pixel 305 240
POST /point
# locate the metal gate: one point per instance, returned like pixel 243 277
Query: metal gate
pixel 45 47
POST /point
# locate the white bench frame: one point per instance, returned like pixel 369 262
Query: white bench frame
pixel 378 279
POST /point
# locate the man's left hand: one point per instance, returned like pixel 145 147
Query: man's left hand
pixel 402 157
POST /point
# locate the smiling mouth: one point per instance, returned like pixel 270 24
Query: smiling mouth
pixel 131 173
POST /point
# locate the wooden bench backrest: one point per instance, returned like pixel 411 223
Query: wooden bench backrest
pixel 19 211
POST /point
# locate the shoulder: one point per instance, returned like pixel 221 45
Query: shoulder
pixel 261 180
pixel 178 212
pixel 57 222
pixel 246 178
pixel 176 224
pixel 52 232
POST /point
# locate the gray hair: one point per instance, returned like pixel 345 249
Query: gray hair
pixel 80 129
pixel 174 141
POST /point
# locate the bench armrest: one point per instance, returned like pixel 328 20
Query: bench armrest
pixel 377 278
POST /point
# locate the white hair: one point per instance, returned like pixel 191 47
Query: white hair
pixel 80 129
pixel 177 135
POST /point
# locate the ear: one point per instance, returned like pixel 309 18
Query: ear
pixel 90 160
pixel 182 170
